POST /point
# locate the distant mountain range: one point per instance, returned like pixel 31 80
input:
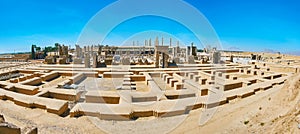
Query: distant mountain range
pixel 14 53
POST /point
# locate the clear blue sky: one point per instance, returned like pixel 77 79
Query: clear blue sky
pixel 250 25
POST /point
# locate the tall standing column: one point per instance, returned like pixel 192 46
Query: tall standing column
pixel 87 62
pixel 170 48
pixel 165 60
pixel 156 53
pixel 150 45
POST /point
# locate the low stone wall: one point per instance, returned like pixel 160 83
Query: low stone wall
pixel 22 78
pixel 78 77
pixel 61 84
pixel 179 94
pixel 37 74
pixel 137 77
pixel 178 77
pixel 27 71
pixel 33 82
pixel 50 76
pixel 116 74
pixel 108 97
pixel 51 105
pixel 228 70
pixel 24 89
pixel 143 111
pixel 231 86
pixel 91 74
pixel 14 80
pixel 62 94
pixel 168 108
pixel 143 97
pixel 102 111
pixel 70 74
pixel 147 77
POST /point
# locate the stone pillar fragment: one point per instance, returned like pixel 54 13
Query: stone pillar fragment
pixel 87 62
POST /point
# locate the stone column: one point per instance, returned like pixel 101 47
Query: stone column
pixel 192 47
pixel 231 58
pixel 99 50
pixel 156 53
pixel 87 62
pixel 216 57
pixel 95 61
pixel 149 45
pixel 165 60
pixel 187 53
pixel 84 48
pixel 170 48
pixel 174 52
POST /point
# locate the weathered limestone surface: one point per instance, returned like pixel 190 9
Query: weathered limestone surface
pixel 76 78
pixel 51 105
pixel 32 82
pixel 116 74
pixel 108 97
pixel 62 94
pixel 179 94
pixel 102 111
pixel 50 76
pixel 24 89
pixel 143 97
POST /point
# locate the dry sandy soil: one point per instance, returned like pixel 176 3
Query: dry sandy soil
pixel 273 111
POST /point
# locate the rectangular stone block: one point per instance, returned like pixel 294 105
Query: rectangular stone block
pixel 168 79
pixel 178 86
pixel 172 82
pixel 108 97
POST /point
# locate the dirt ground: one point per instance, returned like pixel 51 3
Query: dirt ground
pixel 273 111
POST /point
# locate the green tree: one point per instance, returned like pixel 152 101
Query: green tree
pixel 38 49
pixel 56 46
